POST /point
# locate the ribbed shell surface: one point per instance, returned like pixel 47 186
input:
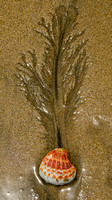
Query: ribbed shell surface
pixel 56 168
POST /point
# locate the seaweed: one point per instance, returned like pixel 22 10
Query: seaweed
pixel 54 90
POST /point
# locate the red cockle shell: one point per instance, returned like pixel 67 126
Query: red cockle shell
pixel 56 168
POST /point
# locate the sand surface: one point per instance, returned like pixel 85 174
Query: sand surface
pixel 23 141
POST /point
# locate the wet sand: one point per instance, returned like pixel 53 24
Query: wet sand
pixel 23 141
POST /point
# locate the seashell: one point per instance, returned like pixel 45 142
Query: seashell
pixel 56 168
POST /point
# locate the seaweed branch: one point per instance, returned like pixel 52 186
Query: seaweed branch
pixel 54 91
